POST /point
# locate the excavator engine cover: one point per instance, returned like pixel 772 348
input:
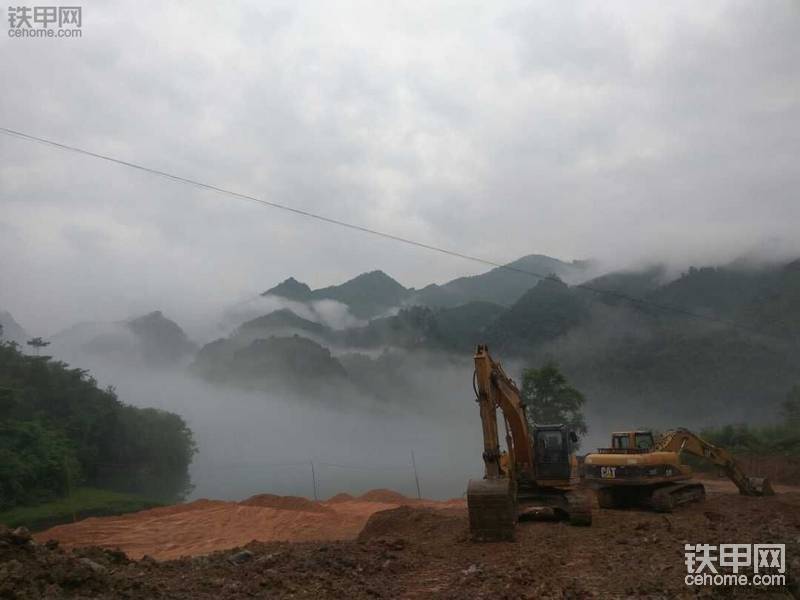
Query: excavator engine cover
pixel 492 509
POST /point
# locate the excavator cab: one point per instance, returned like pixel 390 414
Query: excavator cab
pixel 554 445
pixel 632 441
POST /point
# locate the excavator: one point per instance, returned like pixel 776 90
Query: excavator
pixel 537 471
pixel 641 471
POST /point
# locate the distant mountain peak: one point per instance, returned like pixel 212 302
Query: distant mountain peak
pixel 376 277
pixel 291 289
pixel 12 331
pixel 162 338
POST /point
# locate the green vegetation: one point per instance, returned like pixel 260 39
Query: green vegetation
pixel 81 503
pixel 367 295
pixel 781 439
pixel 550 400
pixel 58 430
pixel 632 357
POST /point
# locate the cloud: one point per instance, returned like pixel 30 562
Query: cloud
pixel 624 132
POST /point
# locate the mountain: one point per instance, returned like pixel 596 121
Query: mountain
pixel 775 309
pixel 636 284
pixel 634 351
pixel 462 327
pixel 375 293
pixel 291 363
pixel 12 331
pixel 367 295
pixel 502 286
pixel 291 289
pixel 152 339
pixel 542 314
pixel 718 291
pixel 280 322
pixel 162 340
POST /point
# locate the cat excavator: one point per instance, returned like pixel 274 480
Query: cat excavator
pixel 538 469
pixel 640 471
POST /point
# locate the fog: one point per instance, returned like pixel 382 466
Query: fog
pixel 257 442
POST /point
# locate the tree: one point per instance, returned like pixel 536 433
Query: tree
pixel 37 343
pixel 549 398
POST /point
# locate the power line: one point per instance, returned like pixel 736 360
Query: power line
pixel 383 234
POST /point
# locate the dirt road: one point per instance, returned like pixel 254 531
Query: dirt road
pixel 424 552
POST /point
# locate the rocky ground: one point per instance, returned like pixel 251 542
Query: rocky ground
pixel 422 552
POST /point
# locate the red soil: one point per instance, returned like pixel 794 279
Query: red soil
pixel 285 503
pixel 382 495
pixel 205 526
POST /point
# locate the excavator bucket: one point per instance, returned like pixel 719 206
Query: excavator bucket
pixel 760 486
pixel 492 509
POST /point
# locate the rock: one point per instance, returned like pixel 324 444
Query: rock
pixel 51 544
pixel 471 570
pixel 239 558
pixel 20 536
pixel 96 568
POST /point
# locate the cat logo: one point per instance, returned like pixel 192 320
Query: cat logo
pixel 608 472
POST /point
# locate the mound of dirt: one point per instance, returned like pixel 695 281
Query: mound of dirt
pixel 385 496
pixel 407 552
pixel 204 526
pixel 30 570
pixel 285 503
pixel 163 511
pixel 342 497
pixel 409 523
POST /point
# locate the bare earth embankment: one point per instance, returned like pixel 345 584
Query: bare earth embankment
pixel 205 526
pixel 390 549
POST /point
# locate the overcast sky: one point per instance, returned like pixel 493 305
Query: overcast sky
pixel 619 131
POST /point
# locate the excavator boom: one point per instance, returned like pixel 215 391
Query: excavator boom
pixel 683 440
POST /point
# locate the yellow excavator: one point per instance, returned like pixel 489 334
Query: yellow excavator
pixel 537 470
pixel 641 471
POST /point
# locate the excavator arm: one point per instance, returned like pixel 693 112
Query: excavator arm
pixel 495 389
pixel 683 440
pixel 492 501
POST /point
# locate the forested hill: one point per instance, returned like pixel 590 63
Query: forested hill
pixel 714 343
pixel 375 293
pixel 59 430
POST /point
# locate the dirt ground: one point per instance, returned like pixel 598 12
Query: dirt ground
pixel 204 526
pixel 423 551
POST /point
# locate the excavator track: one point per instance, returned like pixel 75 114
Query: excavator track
pixel 606 498
pixel 666 498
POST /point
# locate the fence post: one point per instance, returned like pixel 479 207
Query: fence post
pixel 416 477
pixel 313 479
